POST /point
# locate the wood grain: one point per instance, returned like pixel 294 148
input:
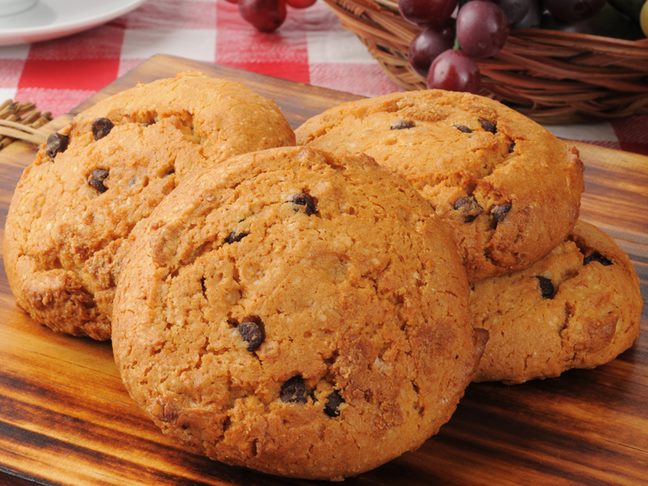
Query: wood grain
pixel 65 417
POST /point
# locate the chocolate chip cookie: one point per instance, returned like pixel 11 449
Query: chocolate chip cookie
pixel 295 313
pixel 509 188
pixel 90 184
pixel 579 307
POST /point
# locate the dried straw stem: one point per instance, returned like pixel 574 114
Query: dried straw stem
pixel 22 121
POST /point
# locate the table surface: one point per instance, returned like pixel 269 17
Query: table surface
pixel 65 417
pixel 310 47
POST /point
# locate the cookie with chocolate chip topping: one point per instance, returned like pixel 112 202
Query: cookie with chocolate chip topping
pixel 579 307
pixel 509 188
pixel 312 347
pixel 91 183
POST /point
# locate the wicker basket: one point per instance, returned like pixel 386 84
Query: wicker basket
pixel 552 76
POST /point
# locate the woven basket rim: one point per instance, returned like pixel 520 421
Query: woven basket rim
pixel 550 75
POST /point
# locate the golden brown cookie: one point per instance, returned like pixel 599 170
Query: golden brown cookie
pixel 579 307
pixel 509 188
pixel 76 204
pixel 295 313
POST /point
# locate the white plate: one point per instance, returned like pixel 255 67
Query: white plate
pixel 49 19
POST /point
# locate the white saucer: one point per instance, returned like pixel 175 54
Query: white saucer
pixel 49 19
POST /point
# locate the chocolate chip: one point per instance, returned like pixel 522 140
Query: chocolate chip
pixel 463 128
pixel 402 124
pixel 294 390
pixel 97 178
pixel 511 147
pixel 488 125
pixel 101 127
pixel 333 402
pixel 469 207
pixel 56 143
pixel 252 331
pixel 547 289
pixel 498 213
pixel 235 237
pixel 597 257
pixel 306 200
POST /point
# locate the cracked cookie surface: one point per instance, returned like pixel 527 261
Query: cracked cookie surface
pixel 295 313
pixel 579 307
pixel 509 188
pixel 76 204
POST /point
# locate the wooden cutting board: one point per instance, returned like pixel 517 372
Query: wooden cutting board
pixel 65 417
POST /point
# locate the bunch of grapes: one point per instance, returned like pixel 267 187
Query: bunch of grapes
pixel 268 15
pixel 456 33
pixel 445 51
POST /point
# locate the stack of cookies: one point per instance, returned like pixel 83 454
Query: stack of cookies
pixel 315 310
pixel 554 293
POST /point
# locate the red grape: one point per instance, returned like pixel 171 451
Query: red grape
pixel 532 17
pixel 482 28
pixel 427 12
pixel 427 45
pixel 455 71
pixel 609 22
pixel 300 3
pixel 573 10
pixel 232 1
pixel 515 10
pixel 264 15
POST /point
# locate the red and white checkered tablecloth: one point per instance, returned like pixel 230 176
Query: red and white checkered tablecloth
pixel 311 47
